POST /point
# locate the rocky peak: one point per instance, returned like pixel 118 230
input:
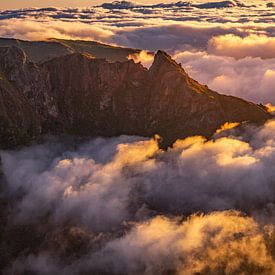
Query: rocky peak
pixel 164 63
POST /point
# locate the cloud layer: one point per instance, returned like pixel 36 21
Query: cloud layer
pixel 124 205
pixel 161 26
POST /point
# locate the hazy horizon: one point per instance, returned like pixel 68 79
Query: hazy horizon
pixel 16 4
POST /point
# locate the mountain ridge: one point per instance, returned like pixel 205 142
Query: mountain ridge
pixel 82 96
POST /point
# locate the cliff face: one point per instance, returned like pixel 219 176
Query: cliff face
pixel 79 95
pixel 18 121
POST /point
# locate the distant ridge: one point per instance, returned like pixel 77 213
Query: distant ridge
pixel 40 51
pixel 206 5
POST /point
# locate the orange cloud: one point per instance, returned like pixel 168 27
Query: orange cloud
pixel 144 57
pixel 226 242
pixel 270 108
pixel 238 47
pixel 227 126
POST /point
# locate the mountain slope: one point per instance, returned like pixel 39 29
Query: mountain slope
pixel 40 51
pixel 79 95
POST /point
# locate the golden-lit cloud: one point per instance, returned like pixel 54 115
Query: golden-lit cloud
pixel 227 126
pixel 238 47
pixel 270 107
pixel 227 241
pixel 144 57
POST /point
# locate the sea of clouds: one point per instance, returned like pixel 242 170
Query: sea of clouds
pixel 123 206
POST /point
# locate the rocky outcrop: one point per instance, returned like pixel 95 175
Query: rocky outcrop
pixel 83 96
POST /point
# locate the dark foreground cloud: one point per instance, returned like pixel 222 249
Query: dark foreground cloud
pixel 123 206
pixel 226 242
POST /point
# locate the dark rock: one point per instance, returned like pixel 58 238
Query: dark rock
pixel 83 96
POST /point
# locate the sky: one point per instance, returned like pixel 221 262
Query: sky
pixel 15 4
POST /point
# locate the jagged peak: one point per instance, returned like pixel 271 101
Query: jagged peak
pixel 164 62
pixel 163 57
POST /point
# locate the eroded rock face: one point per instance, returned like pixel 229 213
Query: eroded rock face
pixel 18 121
pixel 76 94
